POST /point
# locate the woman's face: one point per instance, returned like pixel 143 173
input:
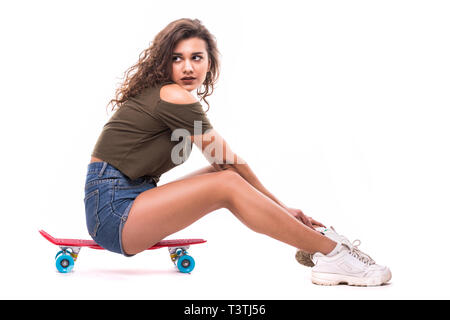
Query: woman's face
pixel 190 59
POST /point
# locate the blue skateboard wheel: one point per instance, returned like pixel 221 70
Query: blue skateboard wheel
pixel 186 264
pixel 64 263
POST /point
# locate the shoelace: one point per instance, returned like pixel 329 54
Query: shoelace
pixel 361 256
pixel 354 250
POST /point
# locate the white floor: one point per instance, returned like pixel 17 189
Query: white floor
pixel 248 266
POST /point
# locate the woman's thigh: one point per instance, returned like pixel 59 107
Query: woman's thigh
pixel 166 209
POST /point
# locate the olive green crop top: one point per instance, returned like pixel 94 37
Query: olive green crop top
pixel 137 137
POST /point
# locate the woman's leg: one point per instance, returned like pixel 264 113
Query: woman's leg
pixel 161 211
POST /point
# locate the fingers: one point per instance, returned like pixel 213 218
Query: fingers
pixel 317 223
pixel 307 221
pixel 303 219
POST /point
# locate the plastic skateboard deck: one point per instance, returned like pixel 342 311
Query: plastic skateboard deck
pixel 65 259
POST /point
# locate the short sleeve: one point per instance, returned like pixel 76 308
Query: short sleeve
pixel 190 117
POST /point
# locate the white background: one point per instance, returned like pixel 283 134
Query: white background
pixel 339 107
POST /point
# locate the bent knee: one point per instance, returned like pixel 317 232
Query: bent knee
pixel 231 177
pixel 233 184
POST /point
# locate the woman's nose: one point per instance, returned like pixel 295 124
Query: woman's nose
pixel 187 66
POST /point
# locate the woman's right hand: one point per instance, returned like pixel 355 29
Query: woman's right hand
pixel 308 221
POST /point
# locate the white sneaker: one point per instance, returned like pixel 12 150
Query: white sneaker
pixel 349 266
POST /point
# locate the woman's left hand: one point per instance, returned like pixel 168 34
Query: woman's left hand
pixel 308 221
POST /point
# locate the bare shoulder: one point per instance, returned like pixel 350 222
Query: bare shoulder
pixel 174 93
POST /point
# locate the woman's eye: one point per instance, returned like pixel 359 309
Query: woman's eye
pixel 174 58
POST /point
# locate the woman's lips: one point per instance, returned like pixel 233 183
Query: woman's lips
pixel 188 80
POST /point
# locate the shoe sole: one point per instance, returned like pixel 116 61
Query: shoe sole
pixel 332 279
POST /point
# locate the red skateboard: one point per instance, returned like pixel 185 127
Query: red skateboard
pixel 65 259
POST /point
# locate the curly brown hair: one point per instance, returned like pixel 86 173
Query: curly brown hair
pixel 154 64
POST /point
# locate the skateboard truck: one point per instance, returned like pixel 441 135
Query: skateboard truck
pixel 73 251
pixel 184 262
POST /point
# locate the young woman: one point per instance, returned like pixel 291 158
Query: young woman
pixel 153 130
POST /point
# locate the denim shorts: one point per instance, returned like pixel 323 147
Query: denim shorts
pixel 109 195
